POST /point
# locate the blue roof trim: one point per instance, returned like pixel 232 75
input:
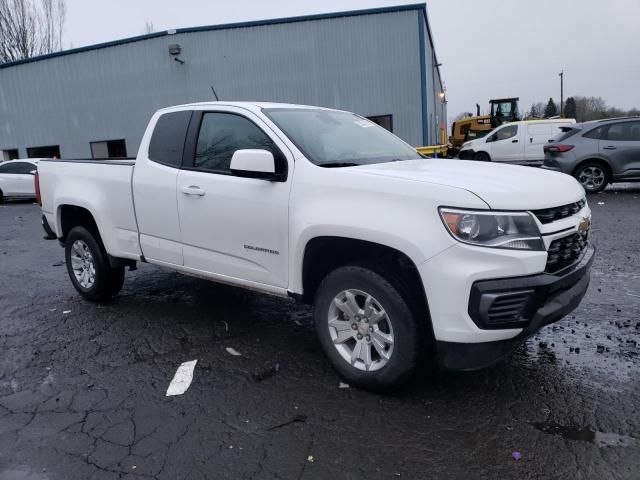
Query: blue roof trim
pixel 255 23
pixel 423 81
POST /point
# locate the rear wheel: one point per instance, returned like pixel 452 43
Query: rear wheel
pixel 89 268
pixel 1 196
pixel 482 157
pixel 367 329
pixel 592 176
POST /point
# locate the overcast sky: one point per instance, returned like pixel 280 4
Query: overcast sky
pixel 488 48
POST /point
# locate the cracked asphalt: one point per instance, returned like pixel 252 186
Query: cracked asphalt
pixel 82 386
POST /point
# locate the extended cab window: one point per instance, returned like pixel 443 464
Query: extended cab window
pixel 221 134
pixel 167 141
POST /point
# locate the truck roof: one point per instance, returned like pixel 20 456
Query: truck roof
pixel 254 106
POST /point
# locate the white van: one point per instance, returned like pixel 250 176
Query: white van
pixel 515 142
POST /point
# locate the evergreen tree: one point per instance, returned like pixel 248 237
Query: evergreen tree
pixel 570 108
pixel 534 111
pixel 550 110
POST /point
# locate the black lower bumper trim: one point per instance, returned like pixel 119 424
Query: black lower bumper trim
pixel 556 297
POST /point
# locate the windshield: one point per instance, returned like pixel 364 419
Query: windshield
pixel 334 138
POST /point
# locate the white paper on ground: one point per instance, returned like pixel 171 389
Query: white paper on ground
pixel 182 379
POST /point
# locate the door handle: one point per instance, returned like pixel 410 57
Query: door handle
pixel 193 190
pixel 514 141
pixel 609 147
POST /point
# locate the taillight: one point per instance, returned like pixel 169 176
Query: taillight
pixel 36 179
pixel 556 148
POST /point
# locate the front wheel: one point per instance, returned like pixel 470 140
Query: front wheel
pixel 89 268
pixel 482 157
pixel 592 176
pixel 367 329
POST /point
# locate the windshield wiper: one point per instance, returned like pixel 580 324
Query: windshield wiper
pixel 338 164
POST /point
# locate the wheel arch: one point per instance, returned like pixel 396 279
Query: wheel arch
pixel 599 160
pixel 70 216
pixel 324 254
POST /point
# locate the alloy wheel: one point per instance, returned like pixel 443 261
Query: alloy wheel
pixel 82 264
pixel 361 330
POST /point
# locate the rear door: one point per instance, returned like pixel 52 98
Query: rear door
pixel 506 144
pixel 154 189
pixel 536 137
pixel 620 145
pixel 234 227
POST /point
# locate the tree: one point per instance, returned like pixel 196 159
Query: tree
pixel 149 27
pixel 30 27
pixel 550 110
pixel 534 111
pixel 570 108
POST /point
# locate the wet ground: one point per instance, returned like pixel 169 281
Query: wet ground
pixel 82 386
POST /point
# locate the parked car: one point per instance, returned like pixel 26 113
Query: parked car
pixel 598 153
pixel 516 142
pixel 16 178
pixel 403 257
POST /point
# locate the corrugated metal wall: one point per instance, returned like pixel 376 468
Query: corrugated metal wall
pixel 369 64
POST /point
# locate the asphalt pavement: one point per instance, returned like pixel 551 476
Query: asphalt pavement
pixel 83 386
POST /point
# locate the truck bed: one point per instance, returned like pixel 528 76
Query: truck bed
pixel 102 187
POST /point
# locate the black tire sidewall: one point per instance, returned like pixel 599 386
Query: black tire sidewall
pixel 407 338
pixel 482 157
pixel 593 164
pixel 102 287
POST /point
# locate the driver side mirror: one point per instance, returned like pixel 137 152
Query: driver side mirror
pixel 254 163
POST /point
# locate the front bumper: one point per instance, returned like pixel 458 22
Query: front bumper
pixel 551 297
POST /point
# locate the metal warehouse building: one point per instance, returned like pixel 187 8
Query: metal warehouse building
pixel 96 101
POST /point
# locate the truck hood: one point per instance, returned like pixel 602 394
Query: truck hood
pixel 508 187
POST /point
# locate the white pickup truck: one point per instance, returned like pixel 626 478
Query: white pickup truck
pixel 405 258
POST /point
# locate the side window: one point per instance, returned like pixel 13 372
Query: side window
pixel 167 141
pixel 221 134
pixel 624 131
pixel 596 133
pixel 504 133
pixel 18 168
pixel 24 168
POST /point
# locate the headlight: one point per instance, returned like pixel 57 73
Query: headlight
pixel 516 231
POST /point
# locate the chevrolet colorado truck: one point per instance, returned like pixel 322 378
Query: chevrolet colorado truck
pixel 405 258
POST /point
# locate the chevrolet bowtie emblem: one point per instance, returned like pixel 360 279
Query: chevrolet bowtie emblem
pixel 584 224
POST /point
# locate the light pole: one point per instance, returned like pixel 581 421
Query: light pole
pixel 443 125
pixel 561 75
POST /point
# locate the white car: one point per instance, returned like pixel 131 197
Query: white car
pixel 16 178
pixel 518 143
pixel 404 258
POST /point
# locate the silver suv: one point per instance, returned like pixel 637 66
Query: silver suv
pixel 597 153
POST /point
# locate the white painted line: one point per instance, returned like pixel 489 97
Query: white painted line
pixel 182 379
pixel 233 351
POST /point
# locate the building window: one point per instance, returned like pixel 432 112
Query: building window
pixel 52 151
pixel 385 121
pixel 10 154
pixel 109 149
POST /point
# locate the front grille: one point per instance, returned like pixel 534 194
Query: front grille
pixel 548 215
pixel 507 309
pixel 566 251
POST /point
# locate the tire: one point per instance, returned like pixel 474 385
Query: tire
pixel 482 157
pixel 1 196
pixel 389 314
pixel 93 277
pixel 593 176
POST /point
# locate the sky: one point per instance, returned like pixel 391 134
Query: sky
pixel 488 49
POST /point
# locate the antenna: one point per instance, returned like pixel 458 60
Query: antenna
pixel 214 93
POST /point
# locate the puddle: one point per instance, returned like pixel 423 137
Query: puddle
pixel 585 434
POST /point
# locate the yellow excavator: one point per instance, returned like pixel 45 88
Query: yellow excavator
pixel 475 126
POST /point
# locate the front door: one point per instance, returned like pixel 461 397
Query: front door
pixel 234 227
pixel 506 145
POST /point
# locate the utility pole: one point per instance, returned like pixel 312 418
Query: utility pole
pixel 561 75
